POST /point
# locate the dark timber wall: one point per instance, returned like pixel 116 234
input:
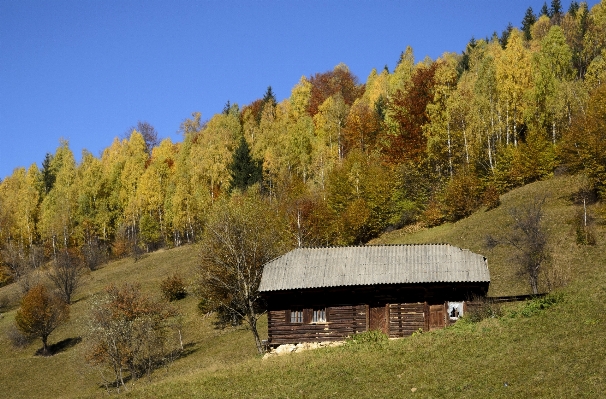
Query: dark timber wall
pixel 407 318
pixel 403 319
pixel 342 321
pixel 397 310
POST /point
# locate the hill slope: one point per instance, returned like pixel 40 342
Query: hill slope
pixel 554 352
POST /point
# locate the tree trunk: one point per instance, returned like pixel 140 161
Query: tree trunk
pixel 252 322
pixel 45 351
pixel 534 284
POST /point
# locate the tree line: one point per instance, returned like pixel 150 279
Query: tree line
pixel 339 161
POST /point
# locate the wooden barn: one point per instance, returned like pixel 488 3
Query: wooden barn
pixel 327 294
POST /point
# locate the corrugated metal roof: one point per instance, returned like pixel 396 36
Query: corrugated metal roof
pixel 370 265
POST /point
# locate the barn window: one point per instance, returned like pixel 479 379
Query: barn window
pixel 296 316
pixel 319 316
pixel 455 310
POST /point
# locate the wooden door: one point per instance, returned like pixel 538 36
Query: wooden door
pixel 437 317
pixel 378 318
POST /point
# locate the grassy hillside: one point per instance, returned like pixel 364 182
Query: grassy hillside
pixel 552 352
pixel 66 374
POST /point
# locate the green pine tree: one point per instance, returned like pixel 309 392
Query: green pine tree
pixel 504 39
pixel 556 8
pixel 527 22
pixel 269 97
pixel 244 170
pixel 574 8
pixel 49 174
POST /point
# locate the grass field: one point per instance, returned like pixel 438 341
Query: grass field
pixel 556 352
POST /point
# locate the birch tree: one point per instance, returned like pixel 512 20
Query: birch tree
pixel 241 236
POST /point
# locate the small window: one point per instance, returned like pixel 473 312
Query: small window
pixel 296 316
pixel 319 316
pixel 455 310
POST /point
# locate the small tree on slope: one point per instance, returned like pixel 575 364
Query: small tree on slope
pixel 40 313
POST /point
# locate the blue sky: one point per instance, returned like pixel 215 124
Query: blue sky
pixel 87 70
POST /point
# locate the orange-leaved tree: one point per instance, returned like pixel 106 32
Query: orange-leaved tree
pixel 40 313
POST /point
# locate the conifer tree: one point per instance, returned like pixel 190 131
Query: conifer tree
pixel 527 22
pixel 574 8
pixel 226 108
pixel 269 97
pixel 244 170
pixel 545 10
pixel 504 39
pixel 48 173
pixel 556 8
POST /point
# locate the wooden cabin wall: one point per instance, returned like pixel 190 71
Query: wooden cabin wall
pixel 403 319
pixel 407 318
pixel 349 310
pixel 342 321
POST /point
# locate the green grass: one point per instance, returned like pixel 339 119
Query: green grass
pixel 66 374
pixel 554 350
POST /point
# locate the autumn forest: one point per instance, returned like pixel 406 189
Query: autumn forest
pixel 340 161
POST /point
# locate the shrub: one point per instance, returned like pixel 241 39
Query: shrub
pixel 461 196
pixel 482 308
pixel 17 339
pixel 129 332
pixel 4 303
pixel 173 288
pixel 432 215
pixel 204 306
pixel 584 228
pixel 491 197
pixel 534 306
pixel 94 254
pixel 371 338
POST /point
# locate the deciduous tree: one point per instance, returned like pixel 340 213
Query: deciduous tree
pixel 584 146
pixel 66 273
pixel 40 314
pixel 529 240
pixel 240 237
pixel 129 332
pixel 408 111
pixel 339 80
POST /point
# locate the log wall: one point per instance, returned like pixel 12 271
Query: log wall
pixel 342 321
pixel 406 318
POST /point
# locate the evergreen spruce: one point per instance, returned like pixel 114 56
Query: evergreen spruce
pixel 226 108
pixel 269 97
pixel 504 39
pixel 556 12
pixel 49 174
pixel 244 170
pixel 527 22
pixel 381 107
pixel 555 9
pixel 545 10
pixel 573 9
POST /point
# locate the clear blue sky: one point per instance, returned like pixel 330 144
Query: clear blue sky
pixel 87 70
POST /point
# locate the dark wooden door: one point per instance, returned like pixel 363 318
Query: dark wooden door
pixel 378 318
pixel 437 317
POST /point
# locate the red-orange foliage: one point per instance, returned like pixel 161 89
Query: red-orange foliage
pixel 361 128
pixel 40 313
pixel 329 83
pixel 309 219
pixel 408 110
pixel 255 109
